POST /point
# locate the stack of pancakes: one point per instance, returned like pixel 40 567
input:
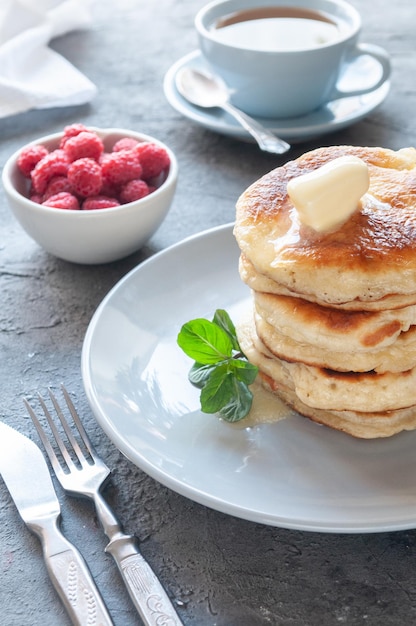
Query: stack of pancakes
pixel 333 322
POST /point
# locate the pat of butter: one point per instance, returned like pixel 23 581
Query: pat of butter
pixel 328 196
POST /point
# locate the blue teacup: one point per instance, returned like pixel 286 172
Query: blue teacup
pixel 285 58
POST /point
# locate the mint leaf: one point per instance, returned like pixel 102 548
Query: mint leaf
pixel 218 390
pixel 223 320
pixel 199 374
pixel 221 371
pixel 239 405
pixel 226 395
pixel 244 371
pixel 204 341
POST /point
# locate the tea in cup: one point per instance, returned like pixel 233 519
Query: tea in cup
pixel 285 58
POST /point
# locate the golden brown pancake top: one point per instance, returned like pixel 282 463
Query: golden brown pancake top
pixel 377 245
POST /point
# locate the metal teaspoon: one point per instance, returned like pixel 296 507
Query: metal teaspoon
pixel 208 91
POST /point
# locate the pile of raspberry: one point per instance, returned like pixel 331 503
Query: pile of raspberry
pixel 80 174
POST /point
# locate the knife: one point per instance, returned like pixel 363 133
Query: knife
pixel 26 475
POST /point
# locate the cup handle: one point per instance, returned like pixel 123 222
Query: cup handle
pixel 366 49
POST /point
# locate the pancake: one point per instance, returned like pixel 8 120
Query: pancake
pixel 357 391
pixel 361 425
pixel 370 257
pixel 332 325
pixel 275 376
pixel 399 357
pixel 332 329
pixel 261 282
pixel 329 389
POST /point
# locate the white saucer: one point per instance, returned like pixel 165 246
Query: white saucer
pixel 330 118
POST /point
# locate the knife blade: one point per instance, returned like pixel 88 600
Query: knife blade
pixel 26 475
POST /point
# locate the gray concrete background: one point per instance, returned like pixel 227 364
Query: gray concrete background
pixel 220 570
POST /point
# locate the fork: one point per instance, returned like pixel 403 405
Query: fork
pixel 82 473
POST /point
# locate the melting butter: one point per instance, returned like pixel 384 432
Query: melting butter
pixel 266 408
pixel 325 198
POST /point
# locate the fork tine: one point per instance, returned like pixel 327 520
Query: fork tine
pixel 68 431
pixel 86 440
pixel 43 437
pixel 59 441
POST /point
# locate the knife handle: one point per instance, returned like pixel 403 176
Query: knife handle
pixel 145 589
pixel 71 578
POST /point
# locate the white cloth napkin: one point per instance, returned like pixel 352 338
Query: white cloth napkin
pixel 31 74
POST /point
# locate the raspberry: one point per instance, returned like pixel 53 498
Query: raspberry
pixel 62 200
pixel 120 167
pixel 29 157
pixel 71 131
pixel 126 143
pixel 134 190
pixel 53 164
pixel 85 176
pixel 153 159
pixel 84 145
pixel 99 202
pixel 80 171
pixel 36 197
pixel 57 184
pixel 109 189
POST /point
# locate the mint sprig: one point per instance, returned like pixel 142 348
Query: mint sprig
pixel 220 370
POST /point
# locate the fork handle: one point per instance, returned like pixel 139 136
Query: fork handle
pixel 71 577
pixel 145 589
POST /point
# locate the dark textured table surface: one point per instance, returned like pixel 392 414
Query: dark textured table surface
pixel 219 570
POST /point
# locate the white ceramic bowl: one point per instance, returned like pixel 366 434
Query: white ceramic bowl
pixel 90 237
